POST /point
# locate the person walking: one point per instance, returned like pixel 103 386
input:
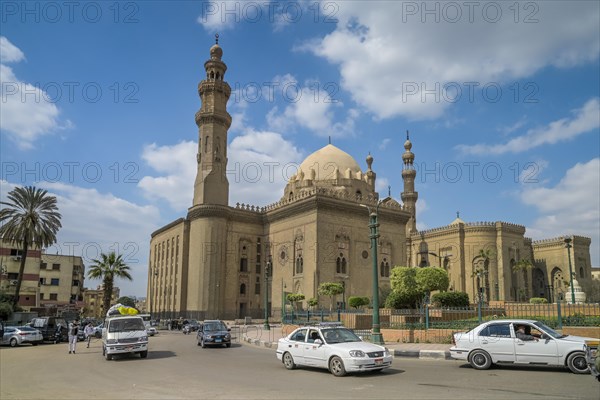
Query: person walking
pixel 73 332
pixel 89 332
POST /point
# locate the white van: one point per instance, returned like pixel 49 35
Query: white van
pixel 124 334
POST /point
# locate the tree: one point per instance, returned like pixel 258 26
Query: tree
pixel 313 302
pixel 294 298
pixel 411 284
pixel 358 302
pixel 126 301
pixel 432 278
pixel 330 289
pixel 108 268
pixel 29 218
pixel 523 266
pixel 6 311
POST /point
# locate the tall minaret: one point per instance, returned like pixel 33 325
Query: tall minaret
pixel 213 120
pixel 409 196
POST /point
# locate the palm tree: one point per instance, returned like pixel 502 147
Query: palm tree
pixel 108 268
pixel 29 218
pixel 524 265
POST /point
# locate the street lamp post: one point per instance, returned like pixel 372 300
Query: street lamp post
pixel 376 335
pixel 568 246
pixel 266 326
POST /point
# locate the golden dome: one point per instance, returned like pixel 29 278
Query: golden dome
pixel 327 162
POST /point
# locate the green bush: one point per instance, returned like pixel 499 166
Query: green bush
pixel 450 299
pixel 538 300
pixel 357 301
pixel 399 300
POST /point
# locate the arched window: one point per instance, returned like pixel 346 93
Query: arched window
pixel 338 265
pixel 257 286
pixel 581 272
pixel 344 265
pixel 299 265
pixel 243 289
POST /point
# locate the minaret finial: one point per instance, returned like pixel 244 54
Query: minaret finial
pixel 216 38
pixel 329 139
pixel 389 190
pixel 407 138
pixel 458 214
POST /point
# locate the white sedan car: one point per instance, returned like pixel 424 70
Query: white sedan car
pixel 497 342
pixel 335 348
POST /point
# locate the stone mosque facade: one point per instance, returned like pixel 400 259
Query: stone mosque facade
pixel 222 261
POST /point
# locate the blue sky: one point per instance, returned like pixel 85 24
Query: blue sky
pixel 501 100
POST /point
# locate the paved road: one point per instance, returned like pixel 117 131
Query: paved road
pixel 178 369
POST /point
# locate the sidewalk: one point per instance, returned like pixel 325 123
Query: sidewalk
pixel 257 336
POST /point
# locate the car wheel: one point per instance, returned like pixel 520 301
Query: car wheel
pixel 144 354
pixel 480 359
pixel 288 361
pixel 106 355
pixel 202 343
pixel 34 343
pixel 577 363
pixel 198 343
pixel 13 342
pixel 336 366
pixel 228 345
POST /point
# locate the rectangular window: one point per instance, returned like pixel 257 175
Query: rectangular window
pixel 42 281
pixel 41 296
pixel 54 281
pixel 13 276
pixel 75 283
pixel 43 265
pixel 53 296
pixel 244 265
pixel 56 267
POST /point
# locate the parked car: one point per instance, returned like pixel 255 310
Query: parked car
pixel 17 335
pixel 213 333
pixel 496 342
pixel 98 331
pixel 53 329
pixel 335 348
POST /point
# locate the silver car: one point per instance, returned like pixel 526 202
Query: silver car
pixel 332 347
pixel 17 335
pixel 499 342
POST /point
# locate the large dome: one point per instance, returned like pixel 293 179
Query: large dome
pixel 326 161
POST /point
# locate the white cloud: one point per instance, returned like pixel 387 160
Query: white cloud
pixel 570 207
pixel 94 222
pixel 27 112
pixel 585 120
pixel 177 163
pixel 384 51
pixel 9 52
pixel 310 105
pixel 258 166
pixel 384 143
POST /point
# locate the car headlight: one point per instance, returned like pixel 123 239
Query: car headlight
pixel 228 336
pixel 143 339
pixel 357 353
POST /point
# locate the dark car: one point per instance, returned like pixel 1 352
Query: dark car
pixel 53 329
pixel 213 333
pixel 193 325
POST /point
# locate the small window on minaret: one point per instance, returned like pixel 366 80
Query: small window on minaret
pixel 218 76
pixel 212 74
pixel 206 144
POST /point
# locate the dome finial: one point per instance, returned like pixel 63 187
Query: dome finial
pixel 458 214
pixel 407 138
pixel 216 38
pixel 389 190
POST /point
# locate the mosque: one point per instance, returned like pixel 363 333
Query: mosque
pixel 222 261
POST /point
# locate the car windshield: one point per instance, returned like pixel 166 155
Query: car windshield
pixel 126 325
pixel 339 335
pixel 214 326
pixel 548 330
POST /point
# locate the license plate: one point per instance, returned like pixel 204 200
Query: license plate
pixel 378 361
pixel 218 340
